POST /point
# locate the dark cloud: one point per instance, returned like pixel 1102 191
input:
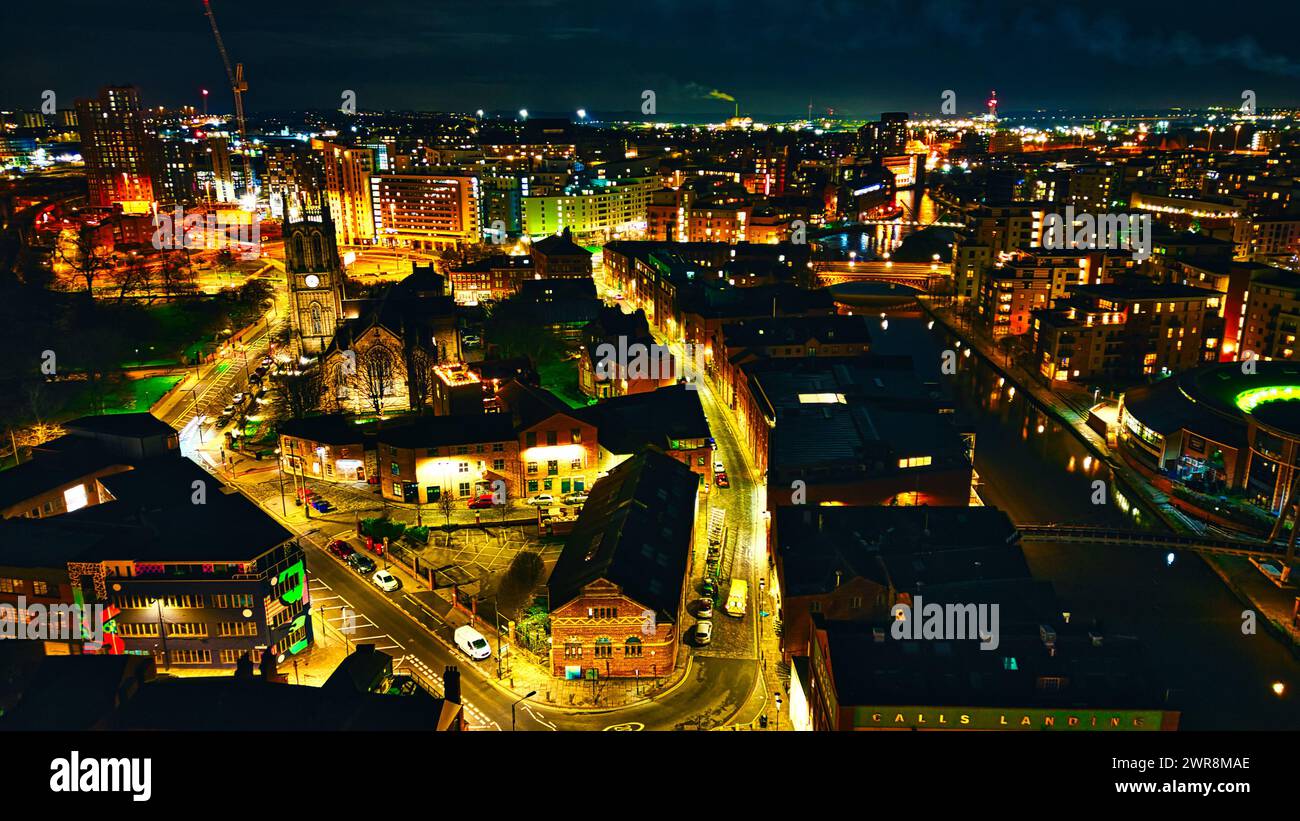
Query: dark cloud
pixel 774 56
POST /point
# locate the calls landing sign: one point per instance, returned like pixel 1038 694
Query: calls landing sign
pixel 994 718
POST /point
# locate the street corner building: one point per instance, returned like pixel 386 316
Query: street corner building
pixel 618 588
pixel 183 567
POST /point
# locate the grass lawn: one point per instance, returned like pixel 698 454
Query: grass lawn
pixel 134 396
pixel 561 379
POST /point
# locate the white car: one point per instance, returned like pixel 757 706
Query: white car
pixel 703 632
pixel 718 468
pixel 385 581
pixel 472 642
pixel 542 499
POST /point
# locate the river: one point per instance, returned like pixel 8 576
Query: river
pixel 1189 622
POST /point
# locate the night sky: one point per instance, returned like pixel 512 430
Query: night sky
pixel 558 55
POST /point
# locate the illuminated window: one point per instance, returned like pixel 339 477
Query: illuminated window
pixel 914 461
pixel 74 498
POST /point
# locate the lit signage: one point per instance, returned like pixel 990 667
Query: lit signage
pixel 993 718
pixel 867 190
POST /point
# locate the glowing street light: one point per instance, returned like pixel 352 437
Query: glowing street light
pixel 582 114
pixel 523 113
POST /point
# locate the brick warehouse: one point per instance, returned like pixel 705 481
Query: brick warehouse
pixel 619 586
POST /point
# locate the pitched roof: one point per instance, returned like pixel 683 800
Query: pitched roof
pixel 635 530
pixel 626 424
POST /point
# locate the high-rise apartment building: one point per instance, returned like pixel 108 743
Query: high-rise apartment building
pixel 425 211
pixel 116 150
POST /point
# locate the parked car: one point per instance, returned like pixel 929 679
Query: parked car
pixel 578 498
pixel 704 608
pixel 481 502
pixel 715 552
pixel 385 581
pixel 721 480
pixel 340 548
pixel 718 468
pixel 703 632
pixel 708 588
pixel 542 499
pixel 239 398
pixel 361 563
pixel 472 642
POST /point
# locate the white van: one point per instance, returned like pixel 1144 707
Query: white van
pixel 472 642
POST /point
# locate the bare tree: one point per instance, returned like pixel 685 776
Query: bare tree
pixel 88 258
pixel 176 275
pixel 419 377
pixel 446 504
pixel 376 375
pixel 300 393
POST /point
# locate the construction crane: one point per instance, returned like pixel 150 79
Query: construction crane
pixel 237 85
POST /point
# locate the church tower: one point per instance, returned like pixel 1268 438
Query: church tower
pixel 315 276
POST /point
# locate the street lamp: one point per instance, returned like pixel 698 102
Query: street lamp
pixel 778 710
pixel 512 709
pixel 279 466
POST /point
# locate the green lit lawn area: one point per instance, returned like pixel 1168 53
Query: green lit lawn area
pixel 561 379
pixel 180 330
pixel 132 396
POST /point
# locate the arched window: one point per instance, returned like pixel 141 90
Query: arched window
pixel 297 252
pixel 317 252
pixel 317 323
pixel 604 648
pixel 632 647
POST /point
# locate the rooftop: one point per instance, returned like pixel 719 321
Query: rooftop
pixel 636 531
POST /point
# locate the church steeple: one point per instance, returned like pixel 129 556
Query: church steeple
pixel 314 274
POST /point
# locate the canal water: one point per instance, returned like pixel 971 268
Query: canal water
pixel 1186 618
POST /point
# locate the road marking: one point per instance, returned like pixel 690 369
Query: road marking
pixel 633 726
pixel 539 719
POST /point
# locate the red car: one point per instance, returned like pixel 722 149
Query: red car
pixel 721 480
pixel 481 501
pixel 340 548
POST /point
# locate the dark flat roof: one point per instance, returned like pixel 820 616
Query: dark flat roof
pixel 437 431
pixel 931 545
pixel 332 429
pixel 122 424
pixel 153 517
pixel 626 424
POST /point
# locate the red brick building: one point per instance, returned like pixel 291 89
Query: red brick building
pixel 618 590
